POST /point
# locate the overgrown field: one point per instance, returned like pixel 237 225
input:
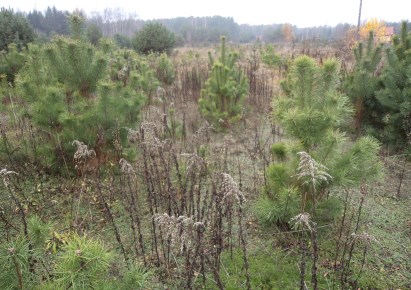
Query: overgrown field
pixel 247 169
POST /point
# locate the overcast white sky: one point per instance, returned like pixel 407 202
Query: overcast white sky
pixel 299 12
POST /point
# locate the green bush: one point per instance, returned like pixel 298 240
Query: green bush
pixel 329 210
pixel 39 232
pixel 76 64
pixel 358 163
pixel 312 105
pixel 362 84
pixel 153 37
pixel 94 33
pixel 122 41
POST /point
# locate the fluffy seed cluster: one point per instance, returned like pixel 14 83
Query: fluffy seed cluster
pixel 161 92
pixel 5 174
pixel 302 221
pixel 194 161
pixel 231 192
pixel 202 134
pixel 179 230
pixel 150 130
pixel 364 238
pixel 132 135
pixel 311 171
pixel 83 153
pixel 153 117
pixel 126 167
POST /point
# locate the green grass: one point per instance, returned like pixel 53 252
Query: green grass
pixel 389 260
pixel 274 269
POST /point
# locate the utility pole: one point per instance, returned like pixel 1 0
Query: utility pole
pixel 359 21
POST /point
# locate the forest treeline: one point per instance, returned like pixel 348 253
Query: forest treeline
pixel 190 30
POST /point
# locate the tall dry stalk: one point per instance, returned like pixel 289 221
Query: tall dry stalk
pixel 131 201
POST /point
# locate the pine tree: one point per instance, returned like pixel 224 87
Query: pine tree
pixel 71 96
pixel 395 96
pixel 312 107
pixel 11 62
pixel 270 57
pixel 76 64
pixel 165 70
pixel 223 95
pixel 82 264
pixel 94 33
pixel 14 28
pixel 313 112
pixel 76 21
pixel 153 37
pixel 318 155
pixel 362 83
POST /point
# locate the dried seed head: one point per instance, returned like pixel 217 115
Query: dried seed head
pixel 179 230
pixel 169 224
pixel 124 70
pixel 117 141
pixel 5 174
pixel 161 92
pixel 11 251
pixel 194 161
pixel 202 134
pixel 199 226
pixel 82 153
pixel 149 132
pixel 155 145
pixel 161 219
pixel 311 171
pixel 132 135
pixel 153 117
pixel 364 238
pixel 126 167
pixel 231 191
pixel 187 233
pixel 302 221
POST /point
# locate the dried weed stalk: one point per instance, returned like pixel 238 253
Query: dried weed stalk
pixel 131 201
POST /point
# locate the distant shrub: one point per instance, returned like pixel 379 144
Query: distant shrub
pixel 153 37
pixel 14 28
pixel 165 70
pixel 223 95
pixel 270 57
pixel 122 41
